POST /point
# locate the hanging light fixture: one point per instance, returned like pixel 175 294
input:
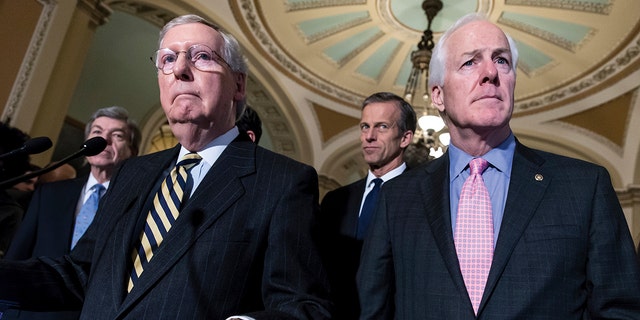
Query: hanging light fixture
pixel 432 137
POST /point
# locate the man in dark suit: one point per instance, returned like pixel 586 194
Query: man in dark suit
pixel 558 243
pixel 11 211
pixel 53 215
pixel 236 243
pixel 251 124
pixel 386 129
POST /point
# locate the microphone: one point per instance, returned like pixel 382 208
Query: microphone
pixel 32 146
pixel 89 148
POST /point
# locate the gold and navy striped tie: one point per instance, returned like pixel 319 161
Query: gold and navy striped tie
pixel 165 211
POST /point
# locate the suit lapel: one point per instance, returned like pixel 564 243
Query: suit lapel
pixel 435 194
pixel 126 233
pixel 218 191
pixel 350 222
pixel 527 186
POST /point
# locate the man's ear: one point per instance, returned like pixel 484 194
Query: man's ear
pixel 251 135
pixel 241 83
pixel 437 98
pixel 407 138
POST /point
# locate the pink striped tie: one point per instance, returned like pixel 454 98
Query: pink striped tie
pixel 474 232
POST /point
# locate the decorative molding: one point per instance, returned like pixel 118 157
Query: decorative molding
pixel 546 35
pixel 26 69
pixel 314 4
pixel 626 56
pixel 531 72
pixel 98 11
pixel 154 15
pixel 273 122
pixel 321 35
pixel 576 5
pixel 359 49
pixel 588 133
pixel 387 17
pixel 630 196
pixel 263 39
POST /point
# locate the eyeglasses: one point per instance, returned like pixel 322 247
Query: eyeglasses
pixel 201 56
pixel 378 127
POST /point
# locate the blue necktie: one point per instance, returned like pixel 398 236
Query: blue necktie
pixel 367 209
pixel 86 214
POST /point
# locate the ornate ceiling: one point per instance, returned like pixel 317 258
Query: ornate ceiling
pixel 351 48
pixel 313 61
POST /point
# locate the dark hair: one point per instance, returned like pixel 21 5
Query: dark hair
pixel 10 139
pixel 407 119
pixel 118 113
pixel 250 121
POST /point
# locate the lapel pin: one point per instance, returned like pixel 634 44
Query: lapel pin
pixel 538 177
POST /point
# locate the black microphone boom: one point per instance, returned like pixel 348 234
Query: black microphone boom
pixel 32 146
pixel 90 148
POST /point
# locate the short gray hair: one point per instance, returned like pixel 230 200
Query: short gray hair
pixel 231 51
pixel 118 113
pixel 438 57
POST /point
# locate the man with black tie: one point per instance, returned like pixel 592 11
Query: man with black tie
pixel 386 129
pixel 216 227
pixel 493 229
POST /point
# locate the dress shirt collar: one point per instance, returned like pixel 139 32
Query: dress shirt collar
pixel 92 181
pixel 500 158
pixel 387 176
pixel 211 152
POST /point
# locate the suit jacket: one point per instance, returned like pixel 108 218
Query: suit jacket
pixel 10 216
pixel 242 245
pixel 340 209
pixel 47 227
pixel 46 230
pixel 563 252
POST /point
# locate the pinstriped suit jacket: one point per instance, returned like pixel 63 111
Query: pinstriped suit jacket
pixel 563 252
pixel 242 245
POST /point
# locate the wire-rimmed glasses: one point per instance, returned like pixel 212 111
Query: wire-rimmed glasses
pixel 201 57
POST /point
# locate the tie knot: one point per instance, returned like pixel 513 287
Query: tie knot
pixel 478 165
pixel 189 160
pixel 377 182
pixel 97 188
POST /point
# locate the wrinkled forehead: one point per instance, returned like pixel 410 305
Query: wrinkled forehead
pixel 186 35
pixel 477 34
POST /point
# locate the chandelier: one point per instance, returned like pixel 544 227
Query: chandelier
pixel 432 137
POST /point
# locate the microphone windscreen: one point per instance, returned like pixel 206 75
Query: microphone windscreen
pixel 94 146
pixel 37 145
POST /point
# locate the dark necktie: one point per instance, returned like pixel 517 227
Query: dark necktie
pixel 86 214
pixel 367 209
pixel 474 232
pixel 166 208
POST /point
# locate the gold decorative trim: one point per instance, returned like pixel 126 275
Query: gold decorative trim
pixel 313 4
pixel 151 14
pixel 593 135
pixel 626 56
pixel 546 35
pixel 298 72
pixel 26 69
pixel 531 72
pixel 97 10
pixel 359 49
pixel 334 30
pixel 630 196
pixel 576 5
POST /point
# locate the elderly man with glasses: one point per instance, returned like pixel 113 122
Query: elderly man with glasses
pixel 214 228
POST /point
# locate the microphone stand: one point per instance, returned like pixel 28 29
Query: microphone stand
pixel 91 147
